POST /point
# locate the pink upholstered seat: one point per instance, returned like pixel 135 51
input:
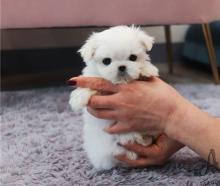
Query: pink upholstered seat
pixel 73 13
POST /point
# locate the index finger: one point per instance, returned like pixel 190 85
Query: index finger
pixel 149 151
pixel 140 162
pixel 95 83
pixel 135 147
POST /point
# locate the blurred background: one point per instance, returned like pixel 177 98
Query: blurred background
pixel 40 39
pixel 46 57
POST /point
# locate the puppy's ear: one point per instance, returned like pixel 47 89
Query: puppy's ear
pixel 146 40
pixel 87 51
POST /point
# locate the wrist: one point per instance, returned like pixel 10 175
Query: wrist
pixel 182 111
pixel 187 121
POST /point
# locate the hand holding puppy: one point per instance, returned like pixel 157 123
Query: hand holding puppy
pixel 156 107
pixel 156 154
pixel 136 106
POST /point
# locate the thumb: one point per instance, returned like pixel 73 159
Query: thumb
pixel 152 150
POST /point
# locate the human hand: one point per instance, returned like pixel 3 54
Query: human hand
pixel 140 105
pixel 154 106
pixel 156 154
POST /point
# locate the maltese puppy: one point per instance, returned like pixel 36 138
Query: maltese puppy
pixel 119 56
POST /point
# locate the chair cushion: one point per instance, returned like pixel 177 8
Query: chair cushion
pixel 75 13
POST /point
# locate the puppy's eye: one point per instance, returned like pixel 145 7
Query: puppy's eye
pixel 132 57
pixel 106 61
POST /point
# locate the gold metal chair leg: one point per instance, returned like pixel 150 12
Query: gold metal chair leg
pixel 167 30
pixel 211 52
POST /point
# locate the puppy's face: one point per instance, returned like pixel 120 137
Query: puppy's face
pixel 118 54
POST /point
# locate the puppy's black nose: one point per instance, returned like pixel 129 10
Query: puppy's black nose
pixel 122 68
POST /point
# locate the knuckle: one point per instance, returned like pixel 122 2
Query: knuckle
pixel 119 103
pixel 125 116
pixel 91 102
pixel 112 115
pixel 108 102
pixel 101 83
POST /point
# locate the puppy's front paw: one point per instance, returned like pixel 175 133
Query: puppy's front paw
pixel 146 141
pixel 149 70
pixel 79 98
pixel 130 155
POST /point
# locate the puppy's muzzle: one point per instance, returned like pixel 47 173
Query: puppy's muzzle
pixel 122 68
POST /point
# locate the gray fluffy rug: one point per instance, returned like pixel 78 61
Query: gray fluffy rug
pixel 41 144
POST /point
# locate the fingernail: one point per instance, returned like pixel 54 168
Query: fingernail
pixel 71 82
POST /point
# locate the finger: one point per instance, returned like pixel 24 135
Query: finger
pixel 119 128
pixel 94 83
pixel 149 151
pixel 140 162
pixel 97 101
pixel 103 113
pixel 137 148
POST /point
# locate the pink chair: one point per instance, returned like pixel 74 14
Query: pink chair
pixel 80 13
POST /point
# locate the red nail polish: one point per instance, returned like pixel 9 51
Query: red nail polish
pixel 71 82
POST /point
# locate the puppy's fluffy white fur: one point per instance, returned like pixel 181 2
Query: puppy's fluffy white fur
pixel 117 44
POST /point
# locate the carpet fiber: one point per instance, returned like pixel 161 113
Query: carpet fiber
pixel 41 144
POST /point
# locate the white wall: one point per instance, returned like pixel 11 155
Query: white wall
pixel 46 38
pixel 178 33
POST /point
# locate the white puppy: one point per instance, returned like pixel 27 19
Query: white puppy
pixel 117 55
